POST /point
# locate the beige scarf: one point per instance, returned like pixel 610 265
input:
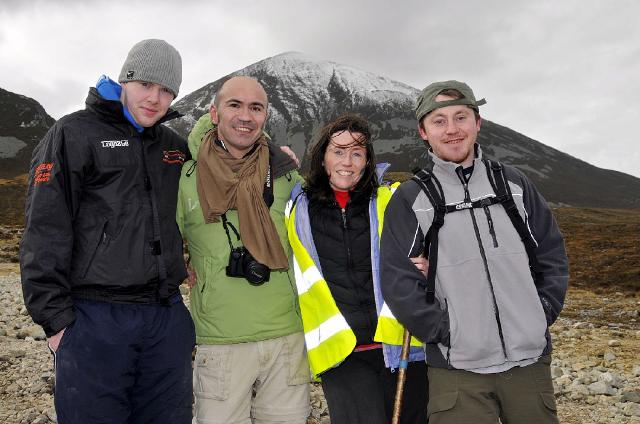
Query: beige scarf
pixel 225 182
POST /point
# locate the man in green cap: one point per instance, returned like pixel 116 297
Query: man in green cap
pixel 497 275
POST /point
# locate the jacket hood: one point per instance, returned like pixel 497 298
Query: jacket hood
pixel 111 90
pixel 381 169
pixel 202 126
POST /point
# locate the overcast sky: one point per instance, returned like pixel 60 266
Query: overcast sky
pixel 566 73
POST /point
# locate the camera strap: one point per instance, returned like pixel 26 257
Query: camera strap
pixel 226 224
pixel 267 193
pixel 268 197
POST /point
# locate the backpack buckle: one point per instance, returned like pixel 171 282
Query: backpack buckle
pixel 503 198
pixel 438 218
pixel 430 295
pixel 486 201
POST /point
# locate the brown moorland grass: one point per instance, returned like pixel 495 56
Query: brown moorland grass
pixel 603 247
pixel 603 244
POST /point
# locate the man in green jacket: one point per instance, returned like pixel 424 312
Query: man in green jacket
pixel 251 363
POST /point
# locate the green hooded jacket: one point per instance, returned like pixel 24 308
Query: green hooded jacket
pixel 229 309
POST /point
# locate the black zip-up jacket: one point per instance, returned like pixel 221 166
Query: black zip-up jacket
pixel 343 242
pixel 100 214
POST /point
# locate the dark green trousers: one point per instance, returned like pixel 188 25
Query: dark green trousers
pixel 521 395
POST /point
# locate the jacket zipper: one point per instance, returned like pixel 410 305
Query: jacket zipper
pixel 155 218
pixel 347 239
pixel 490 223
pixel 345 231
pixel 467 198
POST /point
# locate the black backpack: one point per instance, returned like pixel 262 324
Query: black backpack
pixel 432 188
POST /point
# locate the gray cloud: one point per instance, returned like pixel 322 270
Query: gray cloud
pixel 563 73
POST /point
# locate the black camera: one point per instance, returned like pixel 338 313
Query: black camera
pixel 242 264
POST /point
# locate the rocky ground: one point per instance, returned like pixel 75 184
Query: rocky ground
pixel 596 367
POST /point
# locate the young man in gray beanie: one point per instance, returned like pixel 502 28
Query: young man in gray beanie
pixel 101 257
pixel 497 275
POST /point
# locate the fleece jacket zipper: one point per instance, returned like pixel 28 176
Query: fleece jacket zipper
pixel 467 198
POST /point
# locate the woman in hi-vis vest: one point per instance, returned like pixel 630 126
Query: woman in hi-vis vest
pixel 352 338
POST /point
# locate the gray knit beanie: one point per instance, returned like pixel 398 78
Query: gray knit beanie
pixel 153 61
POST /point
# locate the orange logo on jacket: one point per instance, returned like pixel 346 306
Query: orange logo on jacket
pixel 42 173
pixel 173 157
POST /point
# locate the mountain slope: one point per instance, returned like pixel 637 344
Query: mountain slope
pixel 305 93
pixel 23 122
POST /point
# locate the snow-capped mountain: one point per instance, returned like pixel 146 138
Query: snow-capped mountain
pixel 305 93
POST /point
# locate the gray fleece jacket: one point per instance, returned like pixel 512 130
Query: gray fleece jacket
pixel 488 309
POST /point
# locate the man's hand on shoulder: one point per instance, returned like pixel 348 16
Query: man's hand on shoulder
pixel 287 150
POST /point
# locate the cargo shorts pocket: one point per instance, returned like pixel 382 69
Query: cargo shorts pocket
pixel 212 372
pixel 541 374
pixel 297 363
pixel 549 401
pixel 441 403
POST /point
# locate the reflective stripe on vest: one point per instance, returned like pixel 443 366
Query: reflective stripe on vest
pixel 328 336
pixel 389 330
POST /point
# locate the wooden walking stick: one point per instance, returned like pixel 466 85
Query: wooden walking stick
pixel 402 375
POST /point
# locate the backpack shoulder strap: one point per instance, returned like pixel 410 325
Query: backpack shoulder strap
pixel 500 185
pixel 433 190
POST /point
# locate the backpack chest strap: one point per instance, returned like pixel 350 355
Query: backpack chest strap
pixel 433 190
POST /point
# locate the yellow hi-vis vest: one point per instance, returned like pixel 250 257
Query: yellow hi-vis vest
pixel 328 337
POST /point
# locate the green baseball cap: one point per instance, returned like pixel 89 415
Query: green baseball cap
pixel 427 98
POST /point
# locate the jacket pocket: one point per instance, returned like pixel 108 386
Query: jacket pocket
pixel 474 338
pixel 445 332
pixel 212 372
pixel 441 403
pixel 99 238
pixel 202 280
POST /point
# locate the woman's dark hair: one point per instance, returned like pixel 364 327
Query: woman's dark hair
pixel 318 186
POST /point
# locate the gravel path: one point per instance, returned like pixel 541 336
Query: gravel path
pixel 596 369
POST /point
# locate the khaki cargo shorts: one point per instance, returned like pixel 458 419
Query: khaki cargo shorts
pixel 254 382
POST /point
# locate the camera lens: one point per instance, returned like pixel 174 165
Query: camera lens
pixel 255 272
pixel 242 264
